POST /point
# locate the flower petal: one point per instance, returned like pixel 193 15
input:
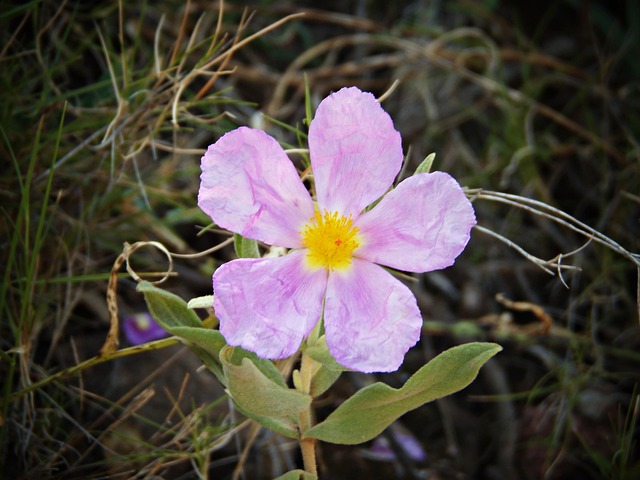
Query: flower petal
pixel 268 305
pixel 420 226
pixel 371 319
pixel 141 328
pixel 355 151
pixel 250 186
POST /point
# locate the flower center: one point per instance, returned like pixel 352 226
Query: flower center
pixel 331 239
pixel 142 322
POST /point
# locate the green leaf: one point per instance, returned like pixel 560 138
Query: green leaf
pixel 372 409
pixel 327 371
pixel 236 355
pixel 322 380
pixel 201 302
pixel 210 340
pixel 425 166
pixel 245 247
pixel 258 397
pixel 206 343
pixel 174 315
pixel 168 309
pixel 307 101
pixel 297 475
pixel 320 353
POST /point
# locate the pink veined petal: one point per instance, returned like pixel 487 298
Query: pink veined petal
pixel 249 186
pixel 371 319
pixel 268 305
pixel 355 151
pixel 420 226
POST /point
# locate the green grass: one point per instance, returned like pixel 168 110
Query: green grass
pixel 105 111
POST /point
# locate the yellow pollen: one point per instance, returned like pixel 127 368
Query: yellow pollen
pixel 331 239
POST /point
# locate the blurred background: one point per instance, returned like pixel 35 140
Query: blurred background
pixel 105 111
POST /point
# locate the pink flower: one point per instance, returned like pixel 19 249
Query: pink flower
pixel 270 305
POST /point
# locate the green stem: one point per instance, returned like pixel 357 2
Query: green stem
pixel 165 342
pixel 123 352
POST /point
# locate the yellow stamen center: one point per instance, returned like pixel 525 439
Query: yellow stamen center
pixel 331 239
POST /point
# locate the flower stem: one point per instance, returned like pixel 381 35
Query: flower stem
pixel 307 445
pixel 308 448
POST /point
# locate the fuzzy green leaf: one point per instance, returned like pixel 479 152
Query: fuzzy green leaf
pixel 236 355
pixel 320 353
pixel 245 247
pixel 322 380
pixel 426 164
pixel 201 302
pixel 210 340
pixel 206 343
pixel 373 408
pixel 168 309
pixel 256 396
pixel 328 370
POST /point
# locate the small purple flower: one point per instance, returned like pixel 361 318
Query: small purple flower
pixel 269 305
pixel 142 328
